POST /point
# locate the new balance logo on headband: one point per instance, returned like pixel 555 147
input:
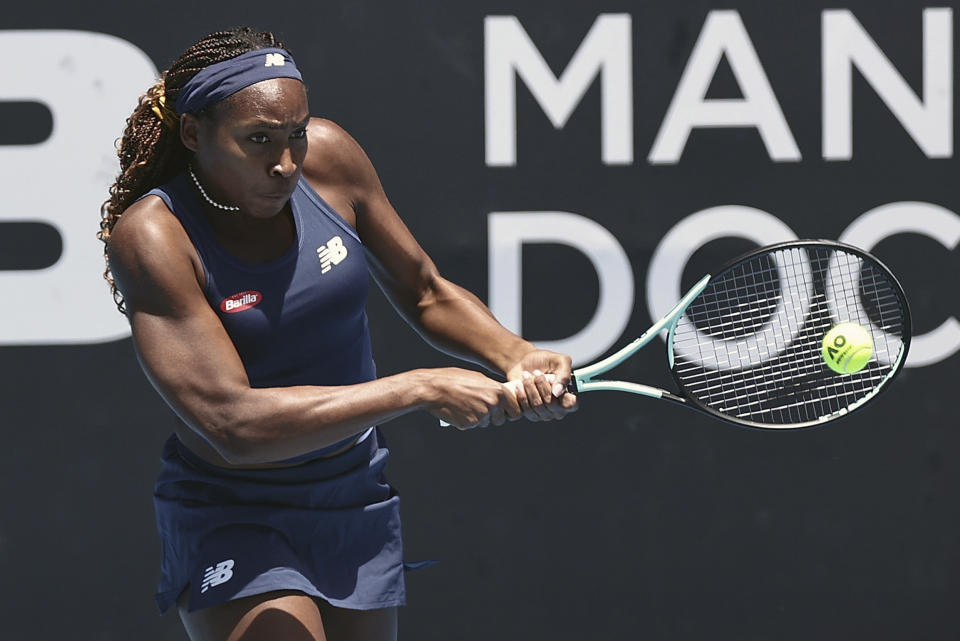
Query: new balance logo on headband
pixel 274 60
pixel 221 79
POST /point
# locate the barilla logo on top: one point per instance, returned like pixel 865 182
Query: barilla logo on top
pixel 240 302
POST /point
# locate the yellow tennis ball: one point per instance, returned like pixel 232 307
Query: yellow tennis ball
pixel 847 348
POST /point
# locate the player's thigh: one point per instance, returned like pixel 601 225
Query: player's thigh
pixel 359 625
pixel 286 615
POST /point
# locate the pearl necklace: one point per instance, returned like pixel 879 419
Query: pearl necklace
pixel 207 198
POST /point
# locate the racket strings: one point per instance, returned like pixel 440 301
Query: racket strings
pixel 818 306
pixel 750 345
pixel 726 319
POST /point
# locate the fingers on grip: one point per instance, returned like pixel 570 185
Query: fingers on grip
pixel 529 392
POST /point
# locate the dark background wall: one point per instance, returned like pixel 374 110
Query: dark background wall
pixel 629 519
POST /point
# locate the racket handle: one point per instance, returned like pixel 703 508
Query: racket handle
pixel 514 385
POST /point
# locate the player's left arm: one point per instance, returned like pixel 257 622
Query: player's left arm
pixel 448 316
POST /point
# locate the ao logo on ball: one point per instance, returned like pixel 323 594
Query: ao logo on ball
pixel 847 348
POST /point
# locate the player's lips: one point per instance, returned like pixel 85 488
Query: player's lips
pixel 277 195
pixel 273 193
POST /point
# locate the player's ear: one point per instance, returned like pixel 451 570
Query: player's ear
pixel 190 132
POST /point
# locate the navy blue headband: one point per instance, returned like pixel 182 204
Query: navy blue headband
pixel 216 82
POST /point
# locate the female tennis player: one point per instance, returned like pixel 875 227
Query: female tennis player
pixel 239 236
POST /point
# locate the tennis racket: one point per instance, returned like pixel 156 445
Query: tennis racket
pixel 745 345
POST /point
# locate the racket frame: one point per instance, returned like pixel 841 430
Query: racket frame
pixel 582 380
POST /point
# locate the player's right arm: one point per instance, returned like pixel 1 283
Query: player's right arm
pixel 189 358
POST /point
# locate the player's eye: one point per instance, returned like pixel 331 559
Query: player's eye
pixel 299 133
pixel 259 138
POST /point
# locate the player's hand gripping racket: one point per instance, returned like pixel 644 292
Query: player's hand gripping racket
pixel 747 345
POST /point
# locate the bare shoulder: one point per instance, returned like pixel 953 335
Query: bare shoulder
pixel 145 229
pixel 322 130
pixel 150 253
pixel 333 156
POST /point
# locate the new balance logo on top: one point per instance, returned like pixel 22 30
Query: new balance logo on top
pixel 331 254
pixel 274 60
pixel 215 575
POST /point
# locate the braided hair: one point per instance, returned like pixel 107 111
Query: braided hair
pixel 150 151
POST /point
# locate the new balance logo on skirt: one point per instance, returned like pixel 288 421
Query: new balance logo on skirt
pixel 217 574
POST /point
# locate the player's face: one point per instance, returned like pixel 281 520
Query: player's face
pixel 250 152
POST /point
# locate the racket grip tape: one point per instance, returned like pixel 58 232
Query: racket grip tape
pixel 515 384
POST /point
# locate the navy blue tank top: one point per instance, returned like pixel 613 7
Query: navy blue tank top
pixel 299 319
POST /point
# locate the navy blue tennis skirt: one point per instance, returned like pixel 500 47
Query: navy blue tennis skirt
pixel 328 527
